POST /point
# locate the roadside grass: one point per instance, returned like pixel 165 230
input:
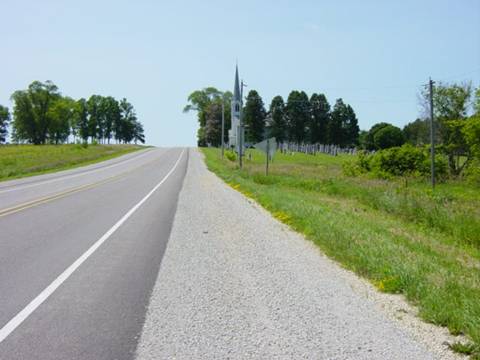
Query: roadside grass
pixel 404 238
pixel 18 161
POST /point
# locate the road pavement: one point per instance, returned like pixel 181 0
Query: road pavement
pixel 79 254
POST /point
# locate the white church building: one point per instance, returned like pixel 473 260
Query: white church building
pixel 233 133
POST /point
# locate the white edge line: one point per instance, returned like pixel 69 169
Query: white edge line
pixel 26 186
pixel 35 303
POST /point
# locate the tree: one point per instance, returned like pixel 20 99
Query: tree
pixel 471 133
pixel 369 139
pixel 350 124
pixel 61 114
pixel 343 127
pixel 31 117
pixel 4 121
pixel 254 117
pixel 213 125
pixel 126 128
pixel 94 116
pixel 138 134
pixel 277 114
pixel 200 100
pixel 417 132
pixel 476 102
pixel 82 119
pixel 297 112
pixel 387 137
pixel 110 112
pixel 320 116
pixel 450 103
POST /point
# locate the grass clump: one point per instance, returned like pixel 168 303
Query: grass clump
pixel 26 160
pixel 403 237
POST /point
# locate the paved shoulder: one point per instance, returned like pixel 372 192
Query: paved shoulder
pixel 234 283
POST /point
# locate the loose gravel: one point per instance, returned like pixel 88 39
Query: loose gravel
pixel 235 283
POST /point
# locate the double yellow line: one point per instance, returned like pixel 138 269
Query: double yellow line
pixel 46 199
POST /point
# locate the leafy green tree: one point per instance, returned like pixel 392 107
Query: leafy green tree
pixel 82 119
pixel 450 103
pixel 254 117
pixel 213 125
pixel 128 118
pixel 319 120
pixel 297 113
pixel 387 137
pixel 200 100
pixel 31 116
pixel 476 102
pixel 369 139
pixel 471 133
pixel 4 121
pixel 362 139
pixel 417 132
pixel 138 134
pixel 62 114
pixel 94 116
pixel 278 126
pixel 110 112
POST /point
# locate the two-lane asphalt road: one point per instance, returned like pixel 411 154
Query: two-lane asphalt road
pixel 79 254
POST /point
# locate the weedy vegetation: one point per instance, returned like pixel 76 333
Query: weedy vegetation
pixel 26 160
pixel 394 231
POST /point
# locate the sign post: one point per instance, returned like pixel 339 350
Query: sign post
pixel 268 146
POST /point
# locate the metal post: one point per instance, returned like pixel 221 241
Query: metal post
pixel 432 135
pixel 223 127
pixel 268 155
pixel 239 136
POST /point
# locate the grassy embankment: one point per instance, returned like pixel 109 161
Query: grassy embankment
pixel 26 160
pixel 404 239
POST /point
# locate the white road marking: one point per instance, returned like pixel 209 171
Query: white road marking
pixel 49 290
pixel 20 187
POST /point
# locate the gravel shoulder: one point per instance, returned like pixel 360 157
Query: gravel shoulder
pixel 236 283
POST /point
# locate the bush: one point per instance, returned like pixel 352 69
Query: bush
pixel 230 155
pixel 405 160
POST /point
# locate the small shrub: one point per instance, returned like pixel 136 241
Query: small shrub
pixel 406 160
pixel 230 155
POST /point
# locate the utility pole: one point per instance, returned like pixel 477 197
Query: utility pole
pixel 223 126
pixel 432 134
pixel 240 133
pixel 268 155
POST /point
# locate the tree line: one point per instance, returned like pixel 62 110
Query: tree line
pixel 42 115
pixel 299 119
pixel 456 123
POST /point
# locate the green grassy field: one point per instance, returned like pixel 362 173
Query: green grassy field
pixel 400 235
pixel 26 160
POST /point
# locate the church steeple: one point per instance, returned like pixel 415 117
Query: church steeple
pixel 236 89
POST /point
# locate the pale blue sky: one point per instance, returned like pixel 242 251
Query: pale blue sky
pixel 373 54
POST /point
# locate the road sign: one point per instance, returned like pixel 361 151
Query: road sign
pixel 268 145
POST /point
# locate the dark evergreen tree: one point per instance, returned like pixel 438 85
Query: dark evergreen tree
pixel 254 117
pixel 278 126
pixel 335 131
pixel 297 113
pixel 352 130
pixel 320 116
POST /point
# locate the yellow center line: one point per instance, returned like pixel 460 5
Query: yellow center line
pixel 46 199
pixel 49 198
